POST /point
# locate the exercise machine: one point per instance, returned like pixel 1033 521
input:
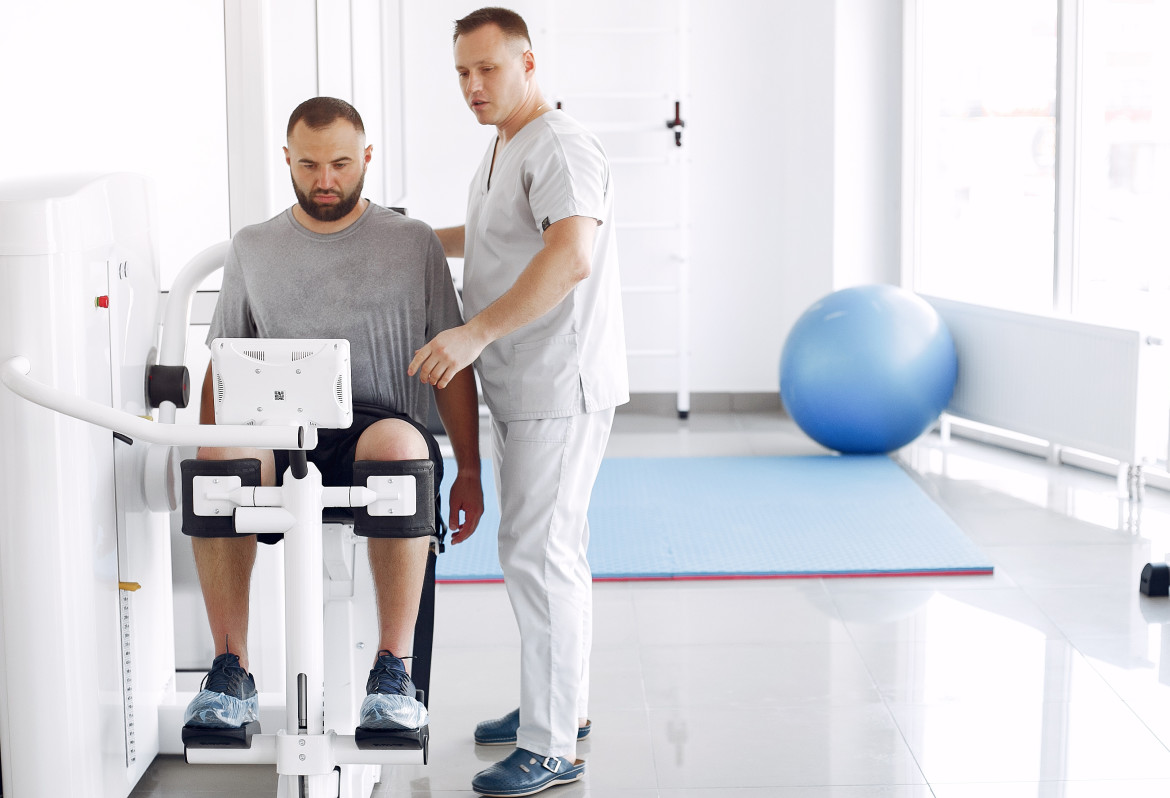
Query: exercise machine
pixel 301 385
pixel 88 476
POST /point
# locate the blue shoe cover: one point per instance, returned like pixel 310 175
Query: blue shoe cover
pixel 391 711
pixel 213 710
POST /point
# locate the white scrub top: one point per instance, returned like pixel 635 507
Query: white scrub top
pixel 572 359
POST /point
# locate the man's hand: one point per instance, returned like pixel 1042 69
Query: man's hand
pixel 445 355
pixel 466 495
pixel 549 277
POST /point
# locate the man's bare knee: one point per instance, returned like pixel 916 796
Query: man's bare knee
pixel 391 439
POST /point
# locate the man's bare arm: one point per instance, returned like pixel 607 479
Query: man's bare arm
pixel 565 260
pixel 458 406
pixel 452 239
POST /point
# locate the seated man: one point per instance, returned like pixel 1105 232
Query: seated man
pixel 336 265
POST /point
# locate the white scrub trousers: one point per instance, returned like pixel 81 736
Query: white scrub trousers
pixel 545 470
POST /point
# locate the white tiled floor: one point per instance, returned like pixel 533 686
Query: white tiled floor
pixel 1049 679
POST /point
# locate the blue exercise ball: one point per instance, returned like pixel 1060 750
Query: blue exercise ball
pixel 868 369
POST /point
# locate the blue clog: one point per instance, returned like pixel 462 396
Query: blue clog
pixel 502 731
pixel 525 773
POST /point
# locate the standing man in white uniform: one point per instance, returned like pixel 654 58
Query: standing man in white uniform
pixel 544 328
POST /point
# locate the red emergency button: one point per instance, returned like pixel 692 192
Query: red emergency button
pixel 102 302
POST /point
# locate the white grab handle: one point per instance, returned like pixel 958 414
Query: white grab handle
pixel 14 374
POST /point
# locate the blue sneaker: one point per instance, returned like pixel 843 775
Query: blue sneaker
pixel 390 701
pixel 525 773
pixel 502 731
pixel 227 698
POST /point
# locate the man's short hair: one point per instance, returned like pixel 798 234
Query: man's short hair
pixel 509 22
pixel 321 112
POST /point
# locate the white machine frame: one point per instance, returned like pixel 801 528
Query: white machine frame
pixel 311 377
pixel 305 752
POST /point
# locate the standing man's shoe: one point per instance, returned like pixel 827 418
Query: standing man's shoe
pixel 502 731
pixel 525 773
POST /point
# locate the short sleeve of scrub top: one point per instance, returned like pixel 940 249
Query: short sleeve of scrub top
pixel 569 175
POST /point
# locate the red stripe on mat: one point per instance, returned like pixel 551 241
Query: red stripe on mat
pixel 715 577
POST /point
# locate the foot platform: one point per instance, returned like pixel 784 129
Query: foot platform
pixel 398 739
pixel 204 737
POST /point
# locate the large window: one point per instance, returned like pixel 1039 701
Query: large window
pixel 1041 151
pixel 1122 271
pixel 986 159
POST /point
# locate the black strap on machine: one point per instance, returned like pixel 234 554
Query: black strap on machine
pixel 218 526
pixel 397 526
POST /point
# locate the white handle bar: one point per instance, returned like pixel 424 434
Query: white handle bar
pixel 173 346
pixel 177 316
pixel 14 373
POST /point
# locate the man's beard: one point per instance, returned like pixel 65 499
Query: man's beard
pixel 335 211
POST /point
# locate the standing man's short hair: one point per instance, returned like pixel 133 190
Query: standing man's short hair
pixel 321 112
pixel 508 21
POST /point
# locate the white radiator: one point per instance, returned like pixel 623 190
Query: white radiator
pixel 1102 390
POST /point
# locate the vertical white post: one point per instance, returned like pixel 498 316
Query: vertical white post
pixel 304 596
pixel 249 134
pixel 393 70
pixel 304 599
pixel 335 50
pixel 1068 123
pixel 548 49
pixel 684 217
pixel 911 140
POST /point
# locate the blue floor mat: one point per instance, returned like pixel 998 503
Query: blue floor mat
pixel 746 517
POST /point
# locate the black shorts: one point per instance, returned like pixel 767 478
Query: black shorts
pixel 335 450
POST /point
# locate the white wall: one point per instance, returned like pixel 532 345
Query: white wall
pixel 792 130
pixel 132 85
pixel 305 48
pixel 762 133
pixel 310 49
pixel 443 142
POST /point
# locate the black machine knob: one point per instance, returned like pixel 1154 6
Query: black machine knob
pixel 1156 579
pixel 168 384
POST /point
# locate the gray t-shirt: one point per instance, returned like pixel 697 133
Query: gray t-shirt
pixel 382 283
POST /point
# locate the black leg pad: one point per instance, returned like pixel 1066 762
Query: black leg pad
pixel 198 737
pixel 421 524
pixel 206 526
